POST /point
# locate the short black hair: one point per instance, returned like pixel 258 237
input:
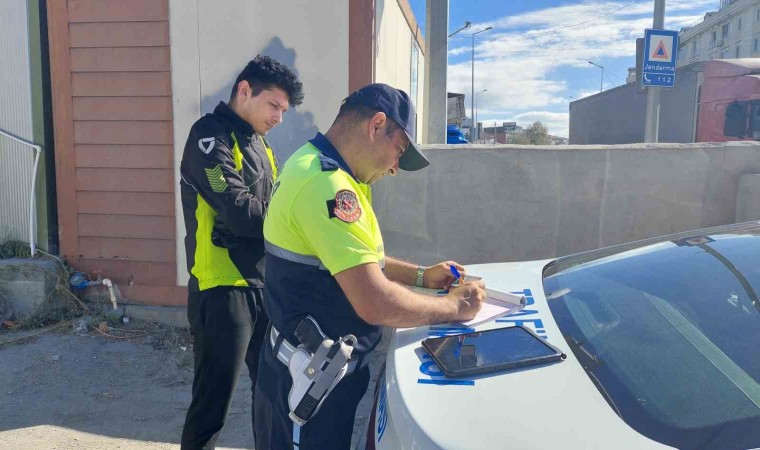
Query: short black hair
pixel 263 72
pixel 355 113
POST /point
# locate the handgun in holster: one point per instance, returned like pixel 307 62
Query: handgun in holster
pixel 316 367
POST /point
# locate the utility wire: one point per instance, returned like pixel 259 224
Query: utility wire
pixel 590 20
pixel 616 76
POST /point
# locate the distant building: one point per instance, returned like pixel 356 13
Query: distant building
pixel 712 101
pixel 616 116
pixel 456 113
pixel 558 140
pixel 731 32
pixel 631 78
pixel 504 132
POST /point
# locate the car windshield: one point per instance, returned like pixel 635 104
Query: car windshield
pixel 670 334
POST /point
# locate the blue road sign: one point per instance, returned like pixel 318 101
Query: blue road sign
pixel 660 56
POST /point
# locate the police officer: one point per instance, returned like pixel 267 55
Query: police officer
pixel 228 170
pixel 325 259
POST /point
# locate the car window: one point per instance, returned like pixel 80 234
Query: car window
pixel 670 335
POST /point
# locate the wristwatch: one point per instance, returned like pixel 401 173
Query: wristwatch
pixel 420 276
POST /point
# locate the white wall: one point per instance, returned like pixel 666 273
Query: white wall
pixel 393 54
pixel 212 40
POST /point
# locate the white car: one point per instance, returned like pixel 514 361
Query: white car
pixel 662 339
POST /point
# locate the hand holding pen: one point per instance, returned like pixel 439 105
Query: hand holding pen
pixel 457 276
pixel 441 276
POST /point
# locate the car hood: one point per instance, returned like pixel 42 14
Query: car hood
pixel 547 406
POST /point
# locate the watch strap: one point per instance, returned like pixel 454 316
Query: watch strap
pixel 420 282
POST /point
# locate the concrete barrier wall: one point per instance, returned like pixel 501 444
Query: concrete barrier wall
pixel 481 204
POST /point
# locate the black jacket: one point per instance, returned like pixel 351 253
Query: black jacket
pixel 226 184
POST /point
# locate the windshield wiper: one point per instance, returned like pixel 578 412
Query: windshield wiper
pixel 735 271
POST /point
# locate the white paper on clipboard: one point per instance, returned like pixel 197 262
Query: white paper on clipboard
pixel 497 304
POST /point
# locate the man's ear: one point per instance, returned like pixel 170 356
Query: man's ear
pixel 243 89
pixel 376 124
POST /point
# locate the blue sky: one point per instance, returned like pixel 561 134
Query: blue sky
pixel 531 68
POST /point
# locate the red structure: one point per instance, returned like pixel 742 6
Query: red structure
pixel 729 101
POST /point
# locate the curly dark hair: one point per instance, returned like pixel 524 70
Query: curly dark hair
pixel 263 72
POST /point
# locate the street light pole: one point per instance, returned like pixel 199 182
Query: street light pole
pixel 475 111
pixel 472 100
pixel 652 124
pixel 467 25
pixel 601 82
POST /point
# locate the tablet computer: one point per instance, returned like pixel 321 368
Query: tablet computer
pixel 490 351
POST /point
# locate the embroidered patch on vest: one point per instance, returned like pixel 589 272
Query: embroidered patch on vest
pixel 345 206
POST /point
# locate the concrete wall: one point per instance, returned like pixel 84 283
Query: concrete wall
pixel 394 52
pixel 748 199
pixel 616 116
pixel 480 204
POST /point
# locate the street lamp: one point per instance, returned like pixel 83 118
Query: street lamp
pixel 472 101
pixel 602 80
pixel 467 25
pixel 475 111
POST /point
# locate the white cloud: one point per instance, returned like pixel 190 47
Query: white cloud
pixel 517 61
pixel 570 14
pixel 584 94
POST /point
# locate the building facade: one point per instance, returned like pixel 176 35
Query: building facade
pixel 130 78
pixel 733 31
pixel 27 181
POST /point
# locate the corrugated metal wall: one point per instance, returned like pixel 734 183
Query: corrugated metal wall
pixel 16 160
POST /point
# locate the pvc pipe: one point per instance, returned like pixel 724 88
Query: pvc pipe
pixel 32 209
pixel 107 282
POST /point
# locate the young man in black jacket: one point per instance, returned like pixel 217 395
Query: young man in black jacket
pixel 228 170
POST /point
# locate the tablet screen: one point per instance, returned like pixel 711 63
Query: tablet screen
pixel 494 348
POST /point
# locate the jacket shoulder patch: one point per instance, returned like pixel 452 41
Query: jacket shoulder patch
pixel 209 133
pixel 206 144
pixel 345 206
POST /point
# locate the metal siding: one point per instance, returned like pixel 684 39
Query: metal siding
pixel 16 160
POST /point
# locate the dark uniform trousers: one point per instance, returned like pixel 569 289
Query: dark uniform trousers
pixel 228 325
pixel 329 429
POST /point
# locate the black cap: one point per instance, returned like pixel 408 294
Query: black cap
pixel 396 105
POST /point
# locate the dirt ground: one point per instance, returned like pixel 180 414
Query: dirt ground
pixel 59 390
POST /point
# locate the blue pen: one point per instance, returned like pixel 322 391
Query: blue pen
pixel 456 274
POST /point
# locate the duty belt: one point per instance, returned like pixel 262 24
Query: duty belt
pixel 284 351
